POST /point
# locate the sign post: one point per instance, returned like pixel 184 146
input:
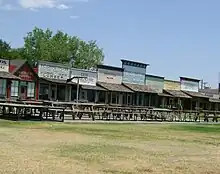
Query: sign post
pixel 77 92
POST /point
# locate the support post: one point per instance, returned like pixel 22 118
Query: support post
pixel 77 92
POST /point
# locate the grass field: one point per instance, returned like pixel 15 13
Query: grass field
pixel 42 147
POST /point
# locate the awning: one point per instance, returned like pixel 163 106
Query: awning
pixel 114 87
pixel 214 100
pixel 178 94
pixel 57 81
pixel 139 88
pixel 96 88
pixel 195 94
pixel 7 75
pixel 164 95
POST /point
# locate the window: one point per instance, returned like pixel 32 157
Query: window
pixel 14 88
pixel 31 89
pixel 44 89
pixel 2 87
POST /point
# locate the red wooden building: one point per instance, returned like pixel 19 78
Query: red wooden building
pixel 27 87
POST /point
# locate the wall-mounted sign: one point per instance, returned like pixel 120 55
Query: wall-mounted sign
pixel 91 77
pixel 187 85
pixel 24 75
pixel 157 84
pixel 4 65
pixel 109 76
pixel 171 85
pixel 53 72
pixel 134 78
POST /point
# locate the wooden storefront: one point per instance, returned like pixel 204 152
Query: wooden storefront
pixel 88 90
pixel 27 87
pixel 6 78
pixel 157 84
pixel 143 95
pixel 110 78
pixel 52 83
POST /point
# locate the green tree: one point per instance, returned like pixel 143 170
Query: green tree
pixel 42 44
pixel 4 49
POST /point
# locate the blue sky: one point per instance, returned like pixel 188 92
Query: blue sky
pixel 176 37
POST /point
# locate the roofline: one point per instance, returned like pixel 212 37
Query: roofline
pixel 53 64
pixel 84 70
pixel 150 75
pixel 110 67
pixel 190 79
pixel 124 60
pixel 172 80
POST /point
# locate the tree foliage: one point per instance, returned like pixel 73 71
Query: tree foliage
pixel 60 47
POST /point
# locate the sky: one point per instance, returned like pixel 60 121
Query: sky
pixel 176 37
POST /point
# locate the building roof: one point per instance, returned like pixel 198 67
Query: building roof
pixel 178 94
pixel 131 61
pixel 114 87
pixel 195 94
pixel 164 95
pixel 139 88
pixel 214 100
pixel 150 75
pixel 110 68
pixel 18 63
pixel 53 64
pixel 7 75
pixel 190 79
pixel 209 91
pixel 90 87
pixel 57 81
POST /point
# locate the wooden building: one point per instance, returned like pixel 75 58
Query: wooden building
pixel 110 78
pixel 6 79
pixel 190 86
pixel 214 98
pixel 52 84
pixel 179 100
pixel 89 91
pixel 27 87
pixel 134 79
pixel 157 84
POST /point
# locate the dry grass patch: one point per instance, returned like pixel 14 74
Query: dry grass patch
pixel 30 147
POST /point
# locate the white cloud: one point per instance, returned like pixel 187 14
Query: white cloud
pixel 63 7
pixel 35 5
pixel 74 17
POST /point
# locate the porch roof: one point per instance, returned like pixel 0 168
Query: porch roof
pixel 164 95
pixel 57 81
pixel 7 75
pixel 139 88
pixel 195 94
pixel 96 88
pixel 178 94
pixel 214 100
pixel 114 87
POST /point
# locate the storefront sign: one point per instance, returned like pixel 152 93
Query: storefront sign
pixel 171 85
pixel 53 72
pixel 155 83
pixel 109 76
pixel 90 77
pixel 4 65
pixel 187 85
pixel 24 75
pixel 134 78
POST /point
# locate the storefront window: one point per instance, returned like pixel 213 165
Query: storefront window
pixel 14 88
pixel 2 87
pixel 44 91
pixel 31 89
